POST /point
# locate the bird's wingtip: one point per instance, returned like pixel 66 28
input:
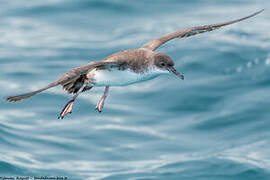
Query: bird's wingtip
pixel 260 11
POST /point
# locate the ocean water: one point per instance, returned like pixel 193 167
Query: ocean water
pixel 214 125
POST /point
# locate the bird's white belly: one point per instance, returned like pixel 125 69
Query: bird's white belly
pixel 117 77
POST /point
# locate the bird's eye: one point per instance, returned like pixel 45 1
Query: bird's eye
pixel 162 64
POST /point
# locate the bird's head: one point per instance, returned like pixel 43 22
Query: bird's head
pixel 164 63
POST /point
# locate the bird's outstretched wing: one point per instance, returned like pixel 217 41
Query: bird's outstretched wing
pixel 70 81
pixel 155 43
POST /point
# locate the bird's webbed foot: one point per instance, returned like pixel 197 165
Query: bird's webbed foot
pixel 100 103
pixel 67 109
pixel 69 106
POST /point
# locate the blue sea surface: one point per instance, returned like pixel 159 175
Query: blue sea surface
pixel 214 125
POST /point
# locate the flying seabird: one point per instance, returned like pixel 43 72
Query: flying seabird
pixel 123 68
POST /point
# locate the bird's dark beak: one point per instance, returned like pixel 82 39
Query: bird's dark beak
pixel 173 70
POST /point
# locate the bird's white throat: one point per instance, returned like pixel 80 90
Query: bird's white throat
pixel 115 77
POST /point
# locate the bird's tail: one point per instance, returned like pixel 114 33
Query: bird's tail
pixel 28 95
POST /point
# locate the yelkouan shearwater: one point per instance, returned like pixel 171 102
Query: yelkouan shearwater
pixel 123 68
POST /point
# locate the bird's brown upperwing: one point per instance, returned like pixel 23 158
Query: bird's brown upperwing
pixel 71 81
pixel 155 43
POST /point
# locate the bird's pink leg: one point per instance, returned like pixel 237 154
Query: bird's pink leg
pixel 68 107
pixel 100 103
